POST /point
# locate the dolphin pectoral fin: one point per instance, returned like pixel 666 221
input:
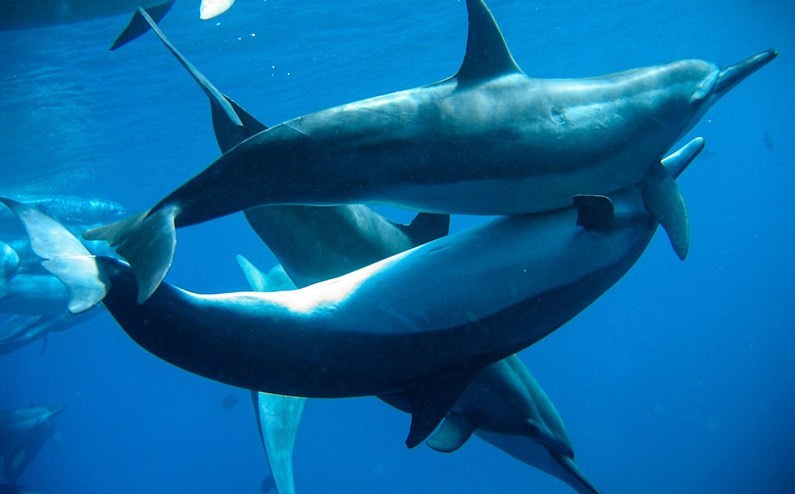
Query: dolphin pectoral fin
pixel 735 74
pixel 455 430
pixel 213 8
pixel 431 401
pixel 278 419
pixel 487 54
pixel 680 159
pixel 426 227
pixel 147 241
pixel 139 25
pixel 663 200
pixel 64 256
pixel 594 211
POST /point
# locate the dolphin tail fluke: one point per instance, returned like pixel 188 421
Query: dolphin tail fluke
pixel 734 74
pixel 575 478
pixel 147 241
pixel 63 255
pixel 139 25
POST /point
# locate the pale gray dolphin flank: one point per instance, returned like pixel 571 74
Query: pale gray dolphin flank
pixel 22 434
pixel 488 140
pixel 322 340
pixel 318 243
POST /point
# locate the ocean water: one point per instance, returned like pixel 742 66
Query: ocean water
pixel 680 379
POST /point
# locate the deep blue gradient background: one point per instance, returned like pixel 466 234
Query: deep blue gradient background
pixel 679 380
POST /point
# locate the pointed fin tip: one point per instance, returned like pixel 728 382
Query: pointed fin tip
pixel 140 23
pixel 663 200
pixel 487 53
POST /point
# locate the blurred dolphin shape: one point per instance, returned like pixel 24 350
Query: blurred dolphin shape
pixel 23 432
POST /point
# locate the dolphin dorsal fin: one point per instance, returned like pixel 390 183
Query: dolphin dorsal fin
pixel 487 53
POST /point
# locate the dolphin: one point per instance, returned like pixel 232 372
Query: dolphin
pixel 22 434
pixel 318 243
pixel 504 405
pixel 380 330
pixel 9 265
pixel 41 13
pixel 488 140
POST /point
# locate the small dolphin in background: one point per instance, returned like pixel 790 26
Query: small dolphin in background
pixel 9 265
pixel 319 243
pixel 489 140
pixel 23 432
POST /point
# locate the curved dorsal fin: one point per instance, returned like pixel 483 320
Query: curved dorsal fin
pixel 487 53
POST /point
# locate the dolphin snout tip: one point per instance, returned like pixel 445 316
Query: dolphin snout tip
pixel 734 74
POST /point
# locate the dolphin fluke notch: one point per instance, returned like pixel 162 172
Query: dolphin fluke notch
pixel 147 241
pixel 139 25
pixel 735 74
pixel 487 54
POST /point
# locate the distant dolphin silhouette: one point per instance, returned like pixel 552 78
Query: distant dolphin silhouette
pixel 415 325
pixel 22 434
pixel 318 243
pixel 488 140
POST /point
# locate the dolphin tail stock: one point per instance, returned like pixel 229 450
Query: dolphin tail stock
pixel 147 242
pixel 735 74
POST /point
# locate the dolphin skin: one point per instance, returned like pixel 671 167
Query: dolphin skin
pixel 22 434
pixel 489 140
pixel 41 13
pixel 319 243
pixel 379 329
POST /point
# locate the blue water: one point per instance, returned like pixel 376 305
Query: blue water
pixel 681 379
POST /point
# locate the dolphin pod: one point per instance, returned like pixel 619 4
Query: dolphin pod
pixel 319 243
pixel 379 330
pixel 488 140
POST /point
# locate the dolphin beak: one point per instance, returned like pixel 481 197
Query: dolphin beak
pixel 734 74
pixel 575 478
pixel 55 410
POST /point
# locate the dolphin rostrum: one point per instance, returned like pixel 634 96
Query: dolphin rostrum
pixel 381 329
pixel 488 140
pixel 319 243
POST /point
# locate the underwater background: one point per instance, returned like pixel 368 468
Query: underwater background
pixel 680 379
